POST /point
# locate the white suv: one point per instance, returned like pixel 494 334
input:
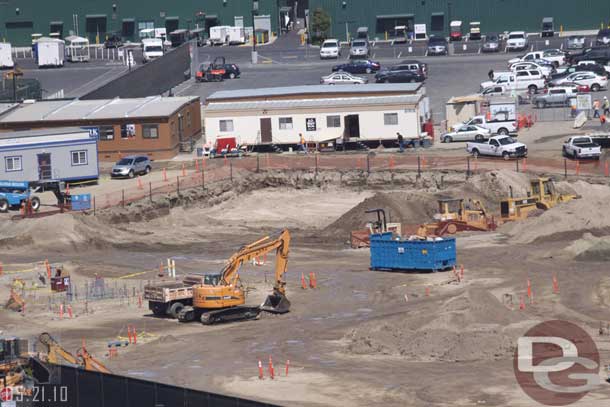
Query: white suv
pixel 330 49
pixel 517 41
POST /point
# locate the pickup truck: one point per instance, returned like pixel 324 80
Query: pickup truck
pixel 502 127
pixel 556 56
pixel 581 147
pixel 532 80
pixel 168 298
pixel 498 146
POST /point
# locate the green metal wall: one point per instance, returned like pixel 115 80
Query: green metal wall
pixel 494 15
pixel 35 16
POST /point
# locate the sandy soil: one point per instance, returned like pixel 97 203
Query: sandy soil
pixel 362 337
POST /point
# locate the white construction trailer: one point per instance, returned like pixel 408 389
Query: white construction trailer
pixel 77 49
pixel 49 52
pixel 353 115
pixel 6 57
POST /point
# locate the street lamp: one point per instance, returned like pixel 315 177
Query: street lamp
pixel 254 13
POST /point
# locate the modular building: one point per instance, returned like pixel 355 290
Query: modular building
pixel 156 126
pixel 63 154
pixel 361 114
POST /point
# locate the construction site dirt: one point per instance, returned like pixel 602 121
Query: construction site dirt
pixel 360 337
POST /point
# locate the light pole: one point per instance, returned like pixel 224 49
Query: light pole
pixel 254 13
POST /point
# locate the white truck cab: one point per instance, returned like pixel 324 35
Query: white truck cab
pixel 152 48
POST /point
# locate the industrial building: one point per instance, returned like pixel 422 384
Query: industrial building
pixel 155 126
pixel 362 114
pixel 64 154
pixel 19 19
pixel 382 16
pixel 94 20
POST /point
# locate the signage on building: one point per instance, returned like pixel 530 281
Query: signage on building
pixel 310 124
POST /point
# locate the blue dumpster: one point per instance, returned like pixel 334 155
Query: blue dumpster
pixel 81 202
pixel 395 254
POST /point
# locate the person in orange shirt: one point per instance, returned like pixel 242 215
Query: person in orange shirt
pixel 596 106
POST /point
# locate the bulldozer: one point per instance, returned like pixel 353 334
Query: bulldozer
pixel 541 196
pixel 222 297
pixel 456 215
pixel 543 189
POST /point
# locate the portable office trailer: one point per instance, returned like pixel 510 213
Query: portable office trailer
pixel 77 49
pixel 349 114
pixel 50 52
pixel 6 57
pixel 62 154
pixel 178 37
pixel 218 34
pixel 236 35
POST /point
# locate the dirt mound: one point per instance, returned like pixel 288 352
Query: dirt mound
pixel 58 232
pixel 406 208
pixel 472 326
pixel 567 220
pixel 493 186
pixel 589 248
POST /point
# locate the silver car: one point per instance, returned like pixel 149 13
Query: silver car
pixel 342 78
pixel 467 133
pixel 359 49
pixel 131 166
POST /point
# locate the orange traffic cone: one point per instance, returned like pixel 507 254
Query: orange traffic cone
pixel 303 284
pixel 529 289
pixel 461 272
pixel 312 280
pixel 555 285
pixel 427 291
pixel 260 370
pixel 140 186
pixel 271 372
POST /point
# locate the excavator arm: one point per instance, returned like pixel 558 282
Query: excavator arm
pixel 55 352
pixel 90 363
pixel 279 242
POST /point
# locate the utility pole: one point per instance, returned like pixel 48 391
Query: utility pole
pixel 254 13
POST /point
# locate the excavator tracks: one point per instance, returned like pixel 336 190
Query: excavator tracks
pixel 230 315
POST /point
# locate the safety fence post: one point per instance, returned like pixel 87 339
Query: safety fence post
pixel 517 164
pixel 93 212
pixel 231 170
pixel 178 185
pixel 258 164
pixel 368 164
pixel 467 167
pixel 565 168
pixel 418 166
pixel 150 191
pixel 123 198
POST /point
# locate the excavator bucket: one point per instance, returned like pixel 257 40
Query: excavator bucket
pixel 276 303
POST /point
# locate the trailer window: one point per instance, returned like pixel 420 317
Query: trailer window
pixel 226 125
pixel 285 123
pixel 106 132
pixel 12 163
pixel 150 131
pixel 390 119
pixel 333 121
pixel 79 157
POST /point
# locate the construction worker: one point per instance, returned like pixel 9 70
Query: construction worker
pixel 596 105
pixel 401 142
pixel 302 143
pixel 606 106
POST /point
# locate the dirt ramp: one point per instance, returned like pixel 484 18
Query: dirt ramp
pixel 468 327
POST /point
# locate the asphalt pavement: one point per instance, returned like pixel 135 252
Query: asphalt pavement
pixel 286 62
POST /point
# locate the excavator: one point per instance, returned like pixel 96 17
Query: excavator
pixel 456 216
pixel 56 354
pixel 222 297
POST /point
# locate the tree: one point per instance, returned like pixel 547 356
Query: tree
pixel 320 24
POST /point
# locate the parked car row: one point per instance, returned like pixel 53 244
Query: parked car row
pixel 408 71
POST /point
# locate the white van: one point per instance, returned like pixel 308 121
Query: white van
pixel 237 35
pixel 330 49
pixel 6 58
pixel 151 48
pixel 77 49
pixel 219 35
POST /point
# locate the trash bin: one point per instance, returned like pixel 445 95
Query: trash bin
pixel 199 151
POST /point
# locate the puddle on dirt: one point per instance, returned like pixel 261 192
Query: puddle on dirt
pixel 295 342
